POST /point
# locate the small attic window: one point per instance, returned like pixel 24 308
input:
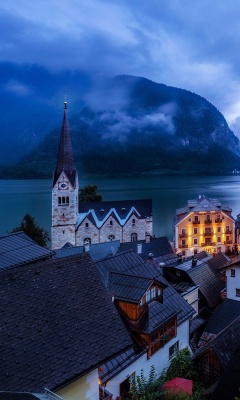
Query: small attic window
pixel 123 209
pixel 102 211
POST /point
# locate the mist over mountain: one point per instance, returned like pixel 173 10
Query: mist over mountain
pixel 128 125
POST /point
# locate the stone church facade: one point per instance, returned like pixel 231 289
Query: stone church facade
pixel 90 223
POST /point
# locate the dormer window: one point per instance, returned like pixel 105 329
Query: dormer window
pixel 152 293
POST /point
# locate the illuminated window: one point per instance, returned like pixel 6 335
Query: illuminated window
pixel 195 241
pixel 219 229
pixel 219 239
pixel 195 231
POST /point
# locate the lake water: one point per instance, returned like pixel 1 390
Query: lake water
pixel 18 197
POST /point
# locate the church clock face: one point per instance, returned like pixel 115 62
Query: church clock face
pixel 62 185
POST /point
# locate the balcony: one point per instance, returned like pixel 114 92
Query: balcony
pixel 228 232
pixel 210 233
pixel 218 221
pixel 208 221
pixel 208 244
pixel 183 246
pixel 183 235
pixel 228 242
pixel 196 222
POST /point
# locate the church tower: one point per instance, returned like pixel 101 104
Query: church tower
pixel 64 191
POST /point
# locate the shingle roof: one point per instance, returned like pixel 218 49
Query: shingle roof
pixel 224 344
pixel 156 247
pixel 19 249
pixel 157 315
pixel 209 283
pixel 121 210
pixel 219 261
pixel 128 288
pixel 58 323
pixel 225 314
pixel 97 251
pixel 132 264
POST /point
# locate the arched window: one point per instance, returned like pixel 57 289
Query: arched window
pixel 110 223
pixel 111 238
pixel 134 237
pixel 133 221
pixel 63 200
pixel 67 200
pixel 86 241
pixel 86 225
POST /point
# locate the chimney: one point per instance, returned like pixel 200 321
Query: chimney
pixel 194 262
pixel 147 237
pixel 139 248
pixel 86 248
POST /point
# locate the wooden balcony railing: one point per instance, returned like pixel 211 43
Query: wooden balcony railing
pixel 196 222
pixel 228 242
pixel 228 232
pixel 218 220
pixel 208 244
pixel 183 246
pixel 208 221
pixel 183 235
pixel 208 233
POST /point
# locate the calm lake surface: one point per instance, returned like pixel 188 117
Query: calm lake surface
pixel 18 197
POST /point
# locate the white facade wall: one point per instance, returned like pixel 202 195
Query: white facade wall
pixel 192 299
pixel 64 216
pixel 160 360
pixel 233 283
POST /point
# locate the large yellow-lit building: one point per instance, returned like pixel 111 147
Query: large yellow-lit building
pixel 204 224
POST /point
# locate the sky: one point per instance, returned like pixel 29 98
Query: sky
pixel 188 44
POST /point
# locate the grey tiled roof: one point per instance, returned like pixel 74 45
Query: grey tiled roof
pixel 224 344
pixel 97 251
pixel 128 288
pixel 225 314
pixel 209 283
pixel 219 261
pixel 158 314
pixel 19 249
pixel 228 384
pixel 57 323
pixel 132 264
pixel 156 247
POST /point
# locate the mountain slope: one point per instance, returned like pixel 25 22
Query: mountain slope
pixel 133 125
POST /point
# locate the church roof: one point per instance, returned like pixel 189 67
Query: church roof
pixel 65 154
pixel 99 212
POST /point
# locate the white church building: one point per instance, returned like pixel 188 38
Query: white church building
pixel 81 223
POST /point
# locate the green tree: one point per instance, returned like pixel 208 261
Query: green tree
pixel 29 226
pixel 89 194
pixel 181 365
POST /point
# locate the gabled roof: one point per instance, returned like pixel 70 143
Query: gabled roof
pixel 208 281
pixel 224 315
pixel 128 288
pixel 65 161
pixel 99 212
pixel 130 263
pixel 155 248
pixel 219 261
pixel 203 204
pixel 58 323
pixel 18 249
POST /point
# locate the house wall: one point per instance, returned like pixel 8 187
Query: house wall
pixel 121 233
pixel 64 216
pixel 233 283
pixel 160 360
pixel 85 388
pixel 186 243
pixel 192 299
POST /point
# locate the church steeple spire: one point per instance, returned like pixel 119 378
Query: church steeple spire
pixel 65 154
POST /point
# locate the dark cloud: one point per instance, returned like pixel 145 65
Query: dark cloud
pixel 183 43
